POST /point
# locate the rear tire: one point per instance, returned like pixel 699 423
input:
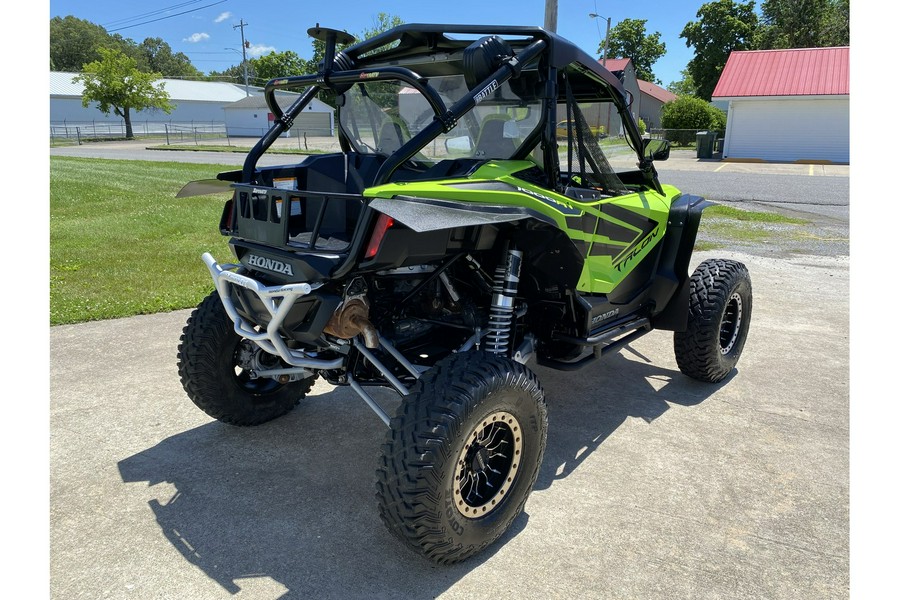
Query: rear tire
pixel 721 302
pixel 462 455
pixel 208 364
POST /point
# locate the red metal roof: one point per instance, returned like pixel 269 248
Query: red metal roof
pixel 803 72
pixel 615 64
pixel 651 89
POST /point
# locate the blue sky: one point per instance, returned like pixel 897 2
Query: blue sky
pixel 205 34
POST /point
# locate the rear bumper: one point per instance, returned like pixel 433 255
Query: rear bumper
pixel 278 301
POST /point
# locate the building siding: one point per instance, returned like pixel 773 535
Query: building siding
pixel 788 130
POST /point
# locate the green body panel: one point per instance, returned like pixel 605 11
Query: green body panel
pixel 617 232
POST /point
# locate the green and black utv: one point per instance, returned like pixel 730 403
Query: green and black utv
pixel 479 215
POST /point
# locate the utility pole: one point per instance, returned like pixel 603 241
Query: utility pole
pixel 550 10
pixel 605 51
pixel 606 39
pixel 244 45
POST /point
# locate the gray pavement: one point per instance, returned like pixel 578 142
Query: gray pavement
pixel 653 485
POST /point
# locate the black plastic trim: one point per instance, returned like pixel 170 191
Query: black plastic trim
pixel 684 222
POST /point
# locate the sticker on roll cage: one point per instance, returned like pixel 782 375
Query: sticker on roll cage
pixel 487 91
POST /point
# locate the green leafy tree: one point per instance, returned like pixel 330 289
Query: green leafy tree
pixel 116 85
pixel 74 42
pixel 722 27
pixel 685 86
pixel 836 30
pixel 804 24
pixel 629 39
pixel 279 64
pixel 155 56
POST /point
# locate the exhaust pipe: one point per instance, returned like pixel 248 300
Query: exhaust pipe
pixel 351 319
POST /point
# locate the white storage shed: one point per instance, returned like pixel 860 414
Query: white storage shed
pixel 250 117
pixel 787 105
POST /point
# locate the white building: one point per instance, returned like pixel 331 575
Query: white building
pixel 787 105
pixel 200 102
pixel 250 117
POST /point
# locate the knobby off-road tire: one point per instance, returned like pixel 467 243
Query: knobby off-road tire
pixel 462 454
pixel 209 371
pixel 718 320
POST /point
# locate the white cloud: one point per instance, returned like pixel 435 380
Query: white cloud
pixel 196 37
pixel 258 50
pixel 222 17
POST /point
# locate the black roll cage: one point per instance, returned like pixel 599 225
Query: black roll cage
pixel 361 64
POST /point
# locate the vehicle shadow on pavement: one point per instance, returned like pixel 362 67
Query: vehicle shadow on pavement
pixel 585 410
pixel 293 500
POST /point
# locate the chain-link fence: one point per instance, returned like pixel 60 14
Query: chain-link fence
pixel 77 132
pixel 681 137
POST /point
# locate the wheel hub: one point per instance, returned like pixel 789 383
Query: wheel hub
pixel 488 465
pixel 731 323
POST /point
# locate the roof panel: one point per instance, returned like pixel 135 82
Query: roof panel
pixel 798 72
pixel 651 89
pixel 615 64
pixel 178 89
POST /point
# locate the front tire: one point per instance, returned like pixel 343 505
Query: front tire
pixel 721 303
pixel 209 364
pixel 462 455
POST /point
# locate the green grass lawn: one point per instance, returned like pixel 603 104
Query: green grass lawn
pixel 121 244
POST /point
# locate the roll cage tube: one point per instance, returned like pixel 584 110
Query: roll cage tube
pixel 284 119
pixel 560 50
pixel 446 120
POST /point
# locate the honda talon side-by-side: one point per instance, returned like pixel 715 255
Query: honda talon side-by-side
pixel 472 221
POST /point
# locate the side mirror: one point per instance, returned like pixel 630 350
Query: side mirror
pixel 657 149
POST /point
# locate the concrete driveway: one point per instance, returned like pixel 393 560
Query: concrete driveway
pixel 652 486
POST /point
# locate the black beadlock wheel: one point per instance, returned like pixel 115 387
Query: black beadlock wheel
pixel 721 303
pixel 211 361
pixel 462 455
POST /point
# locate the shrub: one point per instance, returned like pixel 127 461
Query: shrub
pixel 690 113
pixel 686 113
pixel 642 126
pixel 719 119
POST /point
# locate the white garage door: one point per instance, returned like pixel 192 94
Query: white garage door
pixel 789 130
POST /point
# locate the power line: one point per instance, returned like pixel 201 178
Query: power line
pixel 166 17
pixel 148 14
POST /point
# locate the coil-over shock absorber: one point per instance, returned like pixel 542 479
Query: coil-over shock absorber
pixel 506 285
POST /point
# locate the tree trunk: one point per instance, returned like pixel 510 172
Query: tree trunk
pixel 129 133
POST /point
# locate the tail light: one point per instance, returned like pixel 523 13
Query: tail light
pixel 226 223
pixel 383 223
